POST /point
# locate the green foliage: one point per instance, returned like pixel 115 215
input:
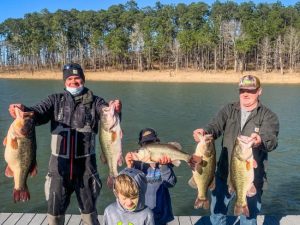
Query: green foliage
pixel 82 35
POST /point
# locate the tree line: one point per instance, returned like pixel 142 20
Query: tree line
pixel 219 37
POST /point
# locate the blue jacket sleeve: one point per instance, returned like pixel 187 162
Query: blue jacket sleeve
pixel 168 176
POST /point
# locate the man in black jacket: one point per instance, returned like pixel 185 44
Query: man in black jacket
pixel 247 117
pixel 74 116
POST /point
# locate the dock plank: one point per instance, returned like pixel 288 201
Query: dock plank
pixel 184 220
pixel 100 218
pixel 38 219
pixel 175 221
pixel 199 220
pixel 13 219
pixel 25 219
pixel 3 217
pixel 291 220
pixel 74 219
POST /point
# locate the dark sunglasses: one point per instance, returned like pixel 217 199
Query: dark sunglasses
pixel 248 91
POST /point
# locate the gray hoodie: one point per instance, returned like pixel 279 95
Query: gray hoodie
pixel 115 214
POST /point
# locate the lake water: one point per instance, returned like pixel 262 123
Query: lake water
pixel 174 110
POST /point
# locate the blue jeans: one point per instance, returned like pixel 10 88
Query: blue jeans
pixel 220 199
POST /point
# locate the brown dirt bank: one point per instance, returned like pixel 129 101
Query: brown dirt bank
pixel 164 76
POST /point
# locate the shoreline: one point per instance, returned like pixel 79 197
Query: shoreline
pixel 167 76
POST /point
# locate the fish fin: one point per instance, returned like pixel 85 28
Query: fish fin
pixel 248 165
pixel 113 136
pixel 9 172
pixel 120 160
pixel 206 204
pixel 28 114
pixel 33 170
pixel 199 168
pixel 14 143
pixel 204 163
pixel 5 141
pixel 121 133
pixel 212 186
pixel 230 186
pixel 18 112
pixel 254 163
pixel 246 211
pixel 16 195
pixel 231 189
pixel 239 210
pixel 252 191
pixel 176 163
pixel 110 182
pixel 103 158
pixel 192 183
pixel 25 195
pixel 176 144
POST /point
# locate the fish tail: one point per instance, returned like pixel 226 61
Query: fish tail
pixel 201 203
pixel 239 210
pixel 21 195
pixel 110 181
pixel 33 170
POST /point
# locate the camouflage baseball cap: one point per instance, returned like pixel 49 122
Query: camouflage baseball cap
pixel 249 82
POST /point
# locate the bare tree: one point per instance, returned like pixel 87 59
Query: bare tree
pixel 231 32
pixel 265 53
pixel 137 45
pixel 293 46
pixel 278 54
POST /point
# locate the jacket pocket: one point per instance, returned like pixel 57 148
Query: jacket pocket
pixel 60 143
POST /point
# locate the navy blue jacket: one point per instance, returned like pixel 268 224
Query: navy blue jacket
pixel 159 180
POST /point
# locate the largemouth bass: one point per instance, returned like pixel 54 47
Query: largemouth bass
pixel 242 174
pixel 20 153
pixel 153 152
pixel 203 175
pixel 110 136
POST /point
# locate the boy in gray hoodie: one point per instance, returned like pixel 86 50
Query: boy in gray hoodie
pixel 129 188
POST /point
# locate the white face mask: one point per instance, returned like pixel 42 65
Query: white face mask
pixel 75 91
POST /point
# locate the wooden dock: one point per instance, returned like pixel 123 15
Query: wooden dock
pixel 40 219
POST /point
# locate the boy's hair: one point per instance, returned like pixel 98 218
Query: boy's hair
pixel 126 186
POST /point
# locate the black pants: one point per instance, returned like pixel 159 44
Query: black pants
pixel 58 192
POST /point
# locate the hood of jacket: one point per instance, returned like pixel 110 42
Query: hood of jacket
pixel 140 179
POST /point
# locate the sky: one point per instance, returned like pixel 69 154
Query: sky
pixel 18 8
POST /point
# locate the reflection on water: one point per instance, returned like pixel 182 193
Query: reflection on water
pixel 174 110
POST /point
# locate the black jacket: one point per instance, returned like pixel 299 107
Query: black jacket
pixel 74 125
pixel 228 122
